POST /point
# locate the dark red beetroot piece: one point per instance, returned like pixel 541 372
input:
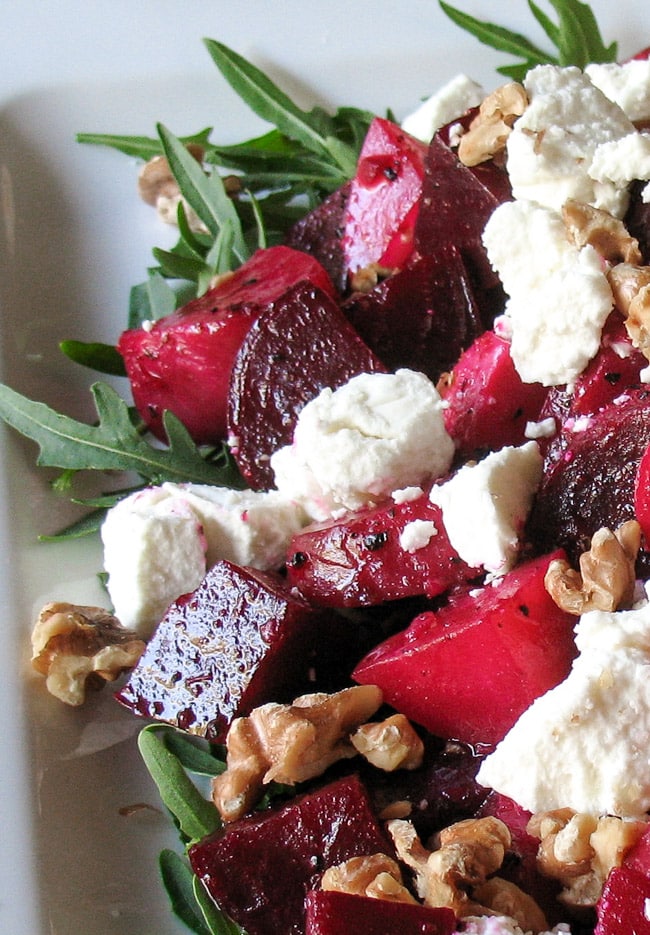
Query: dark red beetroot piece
pixel 260 869
pixel 384 198
pixel 592 483
pixel 358 560
pixel 642 495
pixel 183 362
pixel 320 233
pixel 240 640
pixel 421 318
pixel 333 913
pixel 455 207
pixel 488 403
pixel 469 670
pixel 296 347
pixel 623 906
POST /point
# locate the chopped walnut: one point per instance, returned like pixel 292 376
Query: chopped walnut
pixel 489 130
pixel 606 577
pixel 391 744
pixel 377 876
pixel 469 852
pixel 77 647
pixel 579 850
pixel 366 278
pixel 289 744
pixel 601 230
pixel 631 290
pixel 505 898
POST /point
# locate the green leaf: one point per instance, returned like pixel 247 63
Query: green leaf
pixel 195 755
pixel 141 147
pixel 114 444
pixel 178 879
pixel 151 300
pixel 205 193
pixel 195 815
pixel 102 357
pixel 217 921
pixel 86 526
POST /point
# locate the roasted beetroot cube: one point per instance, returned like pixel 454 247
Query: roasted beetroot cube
pixel 332 913
pixel 454 209
pixel 241 639
pixel 260 869
pixel 362 559
pixel 320 233
pixel 469 670
pixel 615 368
pixel 421 318
pixel 183 361
pixel 623 906
pixel 488 405
pixel 296 347
pixel 384 198
pixel 592 482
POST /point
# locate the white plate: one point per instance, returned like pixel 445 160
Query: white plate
pixel 73 239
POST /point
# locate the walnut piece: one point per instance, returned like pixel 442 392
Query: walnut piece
pixel 489 130
pixel 365 279
pixel 606 577
pixel 377 876
pixel 289 744
pixel 606 234
pixel 77 647
pixel 579 850
pixel 390 744
pixel 455 873
pixel 631 290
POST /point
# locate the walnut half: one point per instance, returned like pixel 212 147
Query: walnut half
pixel 77 647
pixel 489 131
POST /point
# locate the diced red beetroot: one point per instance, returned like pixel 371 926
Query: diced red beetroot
pixel 384 198
pixel 615 368
pixel 333 913
pixel 642 495
pixel 638 857
pixel 491 174
pixel 637 219
pixel 358 560
pixel 297 346
pixel 260 869
pixel 320 233
pixel 591 483
pixel 183 361
pixel 240 640
pixel 623 906
pixel 421 318
pixel 488 403
pixel 469 670
pixel 454 209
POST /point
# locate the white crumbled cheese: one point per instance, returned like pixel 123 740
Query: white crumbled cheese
pixel 352 447
pixel 417 535
pixel 503 925
pixel 546 428
pixel 584 744
pixel 485 505
pixel 558 294
pixel 407 494
pixel 627 84
pixel 622 161
pixel 448 103
pixel 159 542
pixel 154 551
pixel 552 144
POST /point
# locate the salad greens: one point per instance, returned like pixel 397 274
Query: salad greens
pixel 281 175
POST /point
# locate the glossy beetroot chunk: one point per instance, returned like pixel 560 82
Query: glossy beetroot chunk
pixel 333 913
pixel 296 347
pixel 384 198
pixel 469 670
pixel 183 361
pixel 241 639
pixel 488 405
pixel 359 560
pixel 320 234
pixel 623 906
pixel 260 869
pixel 421 318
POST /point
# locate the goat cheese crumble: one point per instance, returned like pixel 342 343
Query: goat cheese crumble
pixel 448 103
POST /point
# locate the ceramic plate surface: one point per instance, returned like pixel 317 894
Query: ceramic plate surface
pixel 77 858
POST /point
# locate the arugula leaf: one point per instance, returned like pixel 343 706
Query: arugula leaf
pixel 218 921
pixel 152 300
pixel 102 357
pixel 195 815
pixel 86 526
pixel 141 147
pixel 178 879
pixel 115 444
pixel 576 37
